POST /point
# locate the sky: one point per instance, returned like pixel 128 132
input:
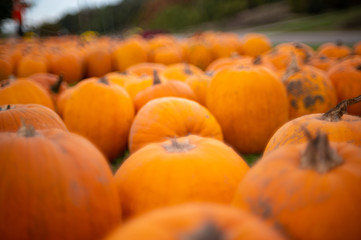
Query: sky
pixel 52 10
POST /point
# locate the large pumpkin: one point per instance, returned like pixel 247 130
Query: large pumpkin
pixel 24 91
pixel 52 83
pixel 54 185
pixel 179 170
pixel 309 90
pixel 250 104
pixel 170 117
pixel 196 221
pixel 346 77
pixel 102 112
pixel 340 127
pixel 334 50
pixel 307 191
pixel 37 115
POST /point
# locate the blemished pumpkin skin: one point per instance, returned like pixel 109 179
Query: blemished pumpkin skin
pixel 102 112
pixel 170 117
pixel 321 62
pixel 255 44
pixel 146 68
pixel 55 185
pixel 250 104
pixel 334 50
pixel 340 127
pixel 171 88
pixel 37 115
pixel 24 91
pixel 346 77
pixel 309 90
pixel 199 84
pixel 196 221
pixel 196 168
pixel 307 191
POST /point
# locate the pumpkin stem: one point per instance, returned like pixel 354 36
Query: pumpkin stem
pixel 257 60
pixel 175 146
pixel 358 67
pixel 5 82
pixel 156 79
pixel 291 69
pixel 335 114
pixel 187 69
pixel 55 88
pixel 26 130
pixel 6 107
pixel 103 80
pixel 208 231
pixel 318 154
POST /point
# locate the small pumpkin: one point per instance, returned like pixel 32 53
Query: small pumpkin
pixel 146 68
pixel 196 221
pixel 59 183
pixel 339 127
pixel 171 117
pixel 52 83
pixel 299 190
pixel 334 50
pixel 357 48
pixel 255 44
pixel 199 84
pixel 188 165
pixel 31 64
pixel 321 62
pixel 180 71
pixel 97 62
pixel 69 64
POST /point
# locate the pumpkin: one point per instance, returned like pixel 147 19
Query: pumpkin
pixel 334 50
pixel 54 185
pixel 171 117
pixel 52 83
pixel 102 112
pixel 227 62
pixel 357 48
pixel 176 171
pixel 250 104
pixel 167 55
pixel 24 91
pixel 199 84
pixel 301 50
pixel 146 68
pixel 180 71
pixel 309 90
pixel 98 62
pixel 299 190
pixel 198 53
pixel 339 126
pixel 31 64
pixel 37 115
pixel 69 64
pixel 255 44
pixel 5 67
pixel 321 62
pixel 196 221
pixel 160 89
pixel 346 77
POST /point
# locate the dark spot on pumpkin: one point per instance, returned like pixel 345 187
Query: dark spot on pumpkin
pixel 294 104
pixel 295 88
pixel 358 67
pixel 309 101
pixel 262 208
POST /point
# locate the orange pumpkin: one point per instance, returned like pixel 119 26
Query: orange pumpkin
pixel 199 84
pixel 321 62
pixel 346 77
pixel 24 91
pixel 5 67
pixel 180 71
pixel 309 90
pixel 53 84
pixel 146 68
pixel 340 127
pixel 68 64
pixel 167 117
pixel 227 62
pixel 250 104
pixel 98 62
pixel 31 64
pixel 198 53
pixel 357 48
pixel 196 221
pixel 37 115
pixel 299 189
pixel 255 44
pixel 334 50
pixel 61 187
pixel 102 112
pixel 170 88
pixel 187 166
pixel 167 55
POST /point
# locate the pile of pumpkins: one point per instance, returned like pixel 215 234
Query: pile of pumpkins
pixel 184 111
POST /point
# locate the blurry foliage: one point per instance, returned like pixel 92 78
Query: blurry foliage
pixel 318 6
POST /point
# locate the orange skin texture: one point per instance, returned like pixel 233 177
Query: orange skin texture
pixel 98 62
pixel 322 62
pixel 5 67
pixel 170 88
pixel 138 84
pixel 348 129
pixel 147 69
pixel 331 50
pixel 250 104
pixel 24 91
pixel 55 185
pixel 198 53
pixel 153 177
pixel 167 55
pixel 178 71
pixel 31 64
pixel 130 52
pixel 169 117
pixel 199 84
pixel 47 80
pixel 38 116
pixel 357 48
pixel 179 221
pixel 62 99
pixel 303 203
pixel 301 50
pixel 256 44
pixel 309 91
pixel 69 64
pixel 346 78
pixel 104 120
pixel 221 63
